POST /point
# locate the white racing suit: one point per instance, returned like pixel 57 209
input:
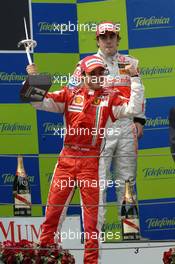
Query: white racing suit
pixel 120 150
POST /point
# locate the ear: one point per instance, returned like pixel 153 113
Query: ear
pixel 118 37
pixel 98 42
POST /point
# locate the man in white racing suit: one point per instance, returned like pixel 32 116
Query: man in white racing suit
pixel 121 146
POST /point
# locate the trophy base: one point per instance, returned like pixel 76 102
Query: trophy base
pixel 35 88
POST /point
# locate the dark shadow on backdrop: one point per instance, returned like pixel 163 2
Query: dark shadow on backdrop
pixel 172 131
pixel 12 25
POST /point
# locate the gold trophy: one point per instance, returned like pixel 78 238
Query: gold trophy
pixel 36 86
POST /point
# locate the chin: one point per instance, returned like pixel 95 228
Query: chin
pixel 110 51
pixel 98 88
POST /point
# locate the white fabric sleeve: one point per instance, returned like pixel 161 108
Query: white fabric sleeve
pixel 49 105
pixel 142 113
pixel 135 104
pixel 54 102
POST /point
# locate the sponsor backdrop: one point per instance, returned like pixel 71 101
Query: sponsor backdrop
pixel 65 32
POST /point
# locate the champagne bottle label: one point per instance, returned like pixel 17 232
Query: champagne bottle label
pixel 131 225
pixel 21 191
pixel 23 200
pixel 129 214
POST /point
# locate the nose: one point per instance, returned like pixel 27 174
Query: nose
pixel 108 39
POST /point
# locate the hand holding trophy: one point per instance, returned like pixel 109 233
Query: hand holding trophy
pixel 36 85
pixel 132 69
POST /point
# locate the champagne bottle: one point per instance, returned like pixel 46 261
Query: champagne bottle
pixel 21 191
pixel 129 215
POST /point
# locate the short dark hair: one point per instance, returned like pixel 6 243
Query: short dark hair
pixel 118 38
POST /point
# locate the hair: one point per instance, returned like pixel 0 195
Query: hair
pixel 118 35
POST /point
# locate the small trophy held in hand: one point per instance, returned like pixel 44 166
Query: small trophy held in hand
pixel 36 85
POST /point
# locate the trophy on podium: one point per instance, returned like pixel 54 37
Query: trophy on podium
pixel 36 85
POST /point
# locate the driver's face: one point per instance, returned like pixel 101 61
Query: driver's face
pixel 108 43
pixel 95 78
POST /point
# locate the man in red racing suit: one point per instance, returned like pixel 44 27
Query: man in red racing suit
pixel 86 111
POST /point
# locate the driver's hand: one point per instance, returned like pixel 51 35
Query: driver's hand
pixel 131 70
pixel 32 69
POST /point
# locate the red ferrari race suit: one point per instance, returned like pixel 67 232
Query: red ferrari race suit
pixel 123 145
pixel 86 114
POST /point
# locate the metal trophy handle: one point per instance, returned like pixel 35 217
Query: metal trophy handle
pixel 28 44
pixel 36 85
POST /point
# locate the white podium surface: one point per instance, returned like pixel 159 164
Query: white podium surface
pixel 112 253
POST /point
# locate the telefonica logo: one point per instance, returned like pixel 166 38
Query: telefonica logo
pixel 45 26
pixel 156 122
pixel 14 127
pixel 8 178
pixel 164 222
pixel 111 226
pixel 161 171
pixel 151 21
pixel 51 127
pixel 156 70
pixel 12 77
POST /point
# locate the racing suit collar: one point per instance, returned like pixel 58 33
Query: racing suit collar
pixel 108 58
pixel 92 92
pixel 96 92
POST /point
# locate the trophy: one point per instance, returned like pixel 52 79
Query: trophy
pixel 36 85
